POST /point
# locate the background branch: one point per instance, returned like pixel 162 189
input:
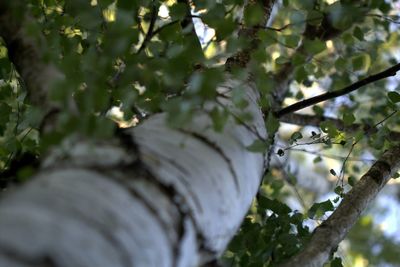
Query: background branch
pixel 27 54
pixel 149 34
pixel 348 89
pixel 331 232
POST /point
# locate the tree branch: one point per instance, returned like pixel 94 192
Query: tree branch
pixel 241 58
pixel 187 21
pixel 348 89
pixel 309 120
pixel 284 77
pixel 149 34
pixel 331 232
pixel 27 54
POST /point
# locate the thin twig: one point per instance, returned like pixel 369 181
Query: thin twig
pixel 323 155
pixel 147 38
pixel 342 170
pixel 314 120
pixel 285 174
pixel 284 27
pixel 388 18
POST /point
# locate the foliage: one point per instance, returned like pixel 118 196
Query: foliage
pixel 129 54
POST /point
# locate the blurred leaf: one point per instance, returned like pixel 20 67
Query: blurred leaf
pixel 317 159
pixel 358 33
pixel 5 111
pixel 336 262
pixel 348 118
pixel 339 190
pixel 352 181
pixel 361 62
pixel 273 205
pixel 394 97
pixel 329 128
pixel 295 136
pixel 291 40
pixel 272 124
pixel 219 118
pixel 314 46
pixel 318 210
pixel 253 15
pixel 258 146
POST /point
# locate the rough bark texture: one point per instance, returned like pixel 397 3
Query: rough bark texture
pixel 155 197
pixel 328 235
pixel 98 204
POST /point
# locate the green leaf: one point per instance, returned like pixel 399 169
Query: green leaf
pixel 127 4
pixel 317 159
pixel 5 111
pixel 340 63
pixel 351 180
pixel 343 15
pixel 178 11
pixel 303 4
pixel 295 136
pixel 318 110
pixel 348 118
pixel 258 146
pixel 272 124
pixel 361 62
pixel 319 209
pixel 298 59
pixel 358 33
pixel 394 96
pixel 338 190
pixel 314 46
pixel 291 40
pixel 359 135
pixel 329 128
pixel 219 118
pixel 314 17
pixel 253 15
pixel 336 262
pixel 281 60
pixel 300 74
pixel 273 205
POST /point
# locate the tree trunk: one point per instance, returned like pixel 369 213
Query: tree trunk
pixel 159 197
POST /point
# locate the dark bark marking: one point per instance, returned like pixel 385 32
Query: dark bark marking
pixel 182 179
pixel 177 198
pixel 43 261
pixel 141 171
pixel 377 171
pixel 216 148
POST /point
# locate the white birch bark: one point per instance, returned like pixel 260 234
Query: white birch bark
pixel 157 197
pixel 176 201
